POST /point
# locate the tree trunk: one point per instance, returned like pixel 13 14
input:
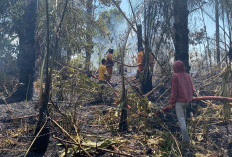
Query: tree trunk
pixel 123 127
pixel 230 53
pixel 181 39
pixel 39 147
pixel 217 31
pixel 123 120
pixel 146 82
pixel 139 36
pixel 28 56
pixel 89 41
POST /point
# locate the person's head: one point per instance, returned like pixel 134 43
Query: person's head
pixel 103 61
pixel 178 66
pixel 111 51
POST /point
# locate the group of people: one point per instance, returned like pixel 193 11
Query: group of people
pixel 105 70
pixel 182 88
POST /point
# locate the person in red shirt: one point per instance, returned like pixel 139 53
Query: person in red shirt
pixel 182 90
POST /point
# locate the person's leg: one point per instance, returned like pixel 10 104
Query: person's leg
pixel 185 106
pixel 180 107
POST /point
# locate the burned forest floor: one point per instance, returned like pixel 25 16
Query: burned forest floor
pixel 85 122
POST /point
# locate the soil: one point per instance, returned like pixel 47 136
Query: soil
pixel 211 134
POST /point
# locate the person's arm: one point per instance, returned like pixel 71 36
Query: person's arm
pixel 170 106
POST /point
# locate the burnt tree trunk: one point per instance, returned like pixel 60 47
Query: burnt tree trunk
pixel 89 40
pixel 230 53
pixel 39 147
pixel 181 39
pixel 146 82
pixel 139 36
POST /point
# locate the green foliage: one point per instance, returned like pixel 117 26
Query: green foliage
pixel 11 23
pixel 11 17
pixel 108 21
pixel 168 146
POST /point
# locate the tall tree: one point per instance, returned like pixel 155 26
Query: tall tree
pixel 89 29
pixel 181 39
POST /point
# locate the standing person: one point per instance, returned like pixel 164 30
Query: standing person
pixel 139 62
pixel 182 91
pixel 109 64
pixel 102 72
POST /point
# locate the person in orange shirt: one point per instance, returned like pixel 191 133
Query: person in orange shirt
pixel 102 72
pixel 139 62
pixel 109 64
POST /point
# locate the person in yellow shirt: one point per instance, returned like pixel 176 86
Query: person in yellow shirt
pixel 102 72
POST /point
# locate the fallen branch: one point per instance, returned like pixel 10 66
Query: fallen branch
pixel 126 64
pixel 102 149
